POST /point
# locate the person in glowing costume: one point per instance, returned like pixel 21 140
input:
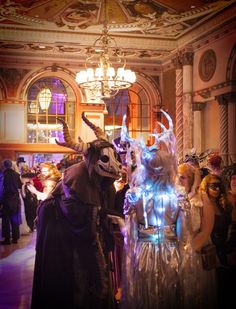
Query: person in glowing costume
pixel 194 226
pixel 151 257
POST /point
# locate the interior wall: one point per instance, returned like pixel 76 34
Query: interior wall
pixel 206 91
pixel 7 154
pixel 211 118
pixel 168 93
pixel 86 133
pixel 12 123
pixel 222 47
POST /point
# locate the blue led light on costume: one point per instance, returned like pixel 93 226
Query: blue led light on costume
pixel 156 237
pixel 151 246
pixel 152 184
pixel 144 210
pixel 159 222
pixel 155 223
pixel 149 187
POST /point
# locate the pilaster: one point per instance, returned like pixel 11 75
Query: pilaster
pixel 179 106
pixel 187 60
pixel 231 97
pixel 198 123
pixel 223 108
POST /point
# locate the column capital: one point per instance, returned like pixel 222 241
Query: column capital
pixel 231 96
pixel 198 106
pixel 177 62
pixel 226 97
pixel 187 58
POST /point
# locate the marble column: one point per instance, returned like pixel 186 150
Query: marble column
pixel 197 108
pixel 187 61
pixel 231 127
pixel 179 107
pixel 223 109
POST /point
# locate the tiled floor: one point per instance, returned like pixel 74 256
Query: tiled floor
pixel 16 273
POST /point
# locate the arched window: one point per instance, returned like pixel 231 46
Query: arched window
pixel 48 99
pixel 135 103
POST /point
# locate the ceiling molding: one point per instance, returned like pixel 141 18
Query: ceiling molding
pixel 27 35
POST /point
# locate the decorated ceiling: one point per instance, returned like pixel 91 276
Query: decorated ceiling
pixel 146 28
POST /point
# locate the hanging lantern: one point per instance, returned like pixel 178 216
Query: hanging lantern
pixel 44 98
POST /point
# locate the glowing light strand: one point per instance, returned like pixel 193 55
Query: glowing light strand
pixel 151 189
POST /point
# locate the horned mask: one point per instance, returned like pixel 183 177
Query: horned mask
pixel 156 163
pixel 99 154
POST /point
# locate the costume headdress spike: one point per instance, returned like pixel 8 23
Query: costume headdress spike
pixel 97 130
pixel 167 135
pixel 124 132
pixel 170 122
pixel 80 147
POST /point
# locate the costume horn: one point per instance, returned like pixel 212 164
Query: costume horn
pixel 80 147
pixel 167 135
pixel 97 131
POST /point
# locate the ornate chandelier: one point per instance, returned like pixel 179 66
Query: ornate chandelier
pixel 103 80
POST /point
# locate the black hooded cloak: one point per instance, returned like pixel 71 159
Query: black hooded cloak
pixel 73 243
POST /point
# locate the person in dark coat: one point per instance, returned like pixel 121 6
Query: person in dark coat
pixel 30 200
pixel 121 186
pixel 11 204
pixel 72 267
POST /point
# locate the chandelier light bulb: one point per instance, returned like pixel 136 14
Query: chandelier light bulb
pixel 120 73
pixel 111 72
pixel 99 73
pixel 90 74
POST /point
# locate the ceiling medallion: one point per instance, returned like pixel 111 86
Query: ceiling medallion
pixel 207 65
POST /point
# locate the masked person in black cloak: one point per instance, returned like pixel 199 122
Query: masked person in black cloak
pixel 73 237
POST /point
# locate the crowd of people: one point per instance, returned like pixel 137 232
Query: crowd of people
pixel 22 189
pixel 205 229
pixel 170 241
pixel 194 267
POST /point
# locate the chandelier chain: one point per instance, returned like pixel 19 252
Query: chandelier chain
pixel 102 78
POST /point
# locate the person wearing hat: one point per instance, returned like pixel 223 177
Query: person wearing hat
pixel 11 203
pixel 21 165
pixel 21 159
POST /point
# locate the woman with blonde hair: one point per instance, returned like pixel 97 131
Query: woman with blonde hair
pixel 214 188
pixel 49 177
pixel 195 222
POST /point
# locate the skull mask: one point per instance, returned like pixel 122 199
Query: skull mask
pixel 99 155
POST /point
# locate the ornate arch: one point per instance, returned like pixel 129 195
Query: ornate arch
pixel 150 84
pixel 51 71
pixel 141 103
pixel 66 76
